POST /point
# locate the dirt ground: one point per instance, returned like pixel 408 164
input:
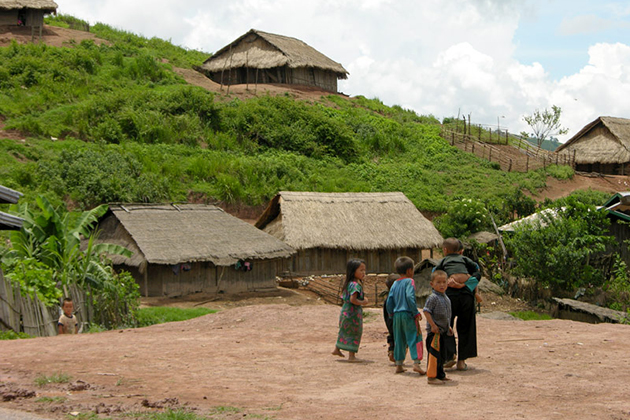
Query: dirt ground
pixel 269 357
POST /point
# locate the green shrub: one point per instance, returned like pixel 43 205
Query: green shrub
pixel 531 316
pixel 161 314
pixel 464 217
pixel 12 335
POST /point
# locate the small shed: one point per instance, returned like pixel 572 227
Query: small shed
pixel 602 146
pixel 262 57
pixel 188 248
pixel 327 229
pixel 7 221
pixel 29 13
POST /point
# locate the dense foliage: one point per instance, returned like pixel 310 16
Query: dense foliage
pixel 47 255
pixel 557 250
pixel 131 129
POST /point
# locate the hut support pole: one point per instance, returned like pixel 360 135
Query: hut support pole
pixel 146 281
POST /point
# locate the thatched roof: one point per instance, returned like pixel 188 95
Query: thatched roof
pixel 483 237
pixel 7 195
pixel 605 140
pixel 262 50
pixel 355 221
pixel 46 5
pixel 172 234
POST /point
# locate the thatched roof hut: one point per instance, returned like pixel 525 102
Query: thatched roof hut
pixel 329 228
pixel 7 221
pixel 25 12
pixel 601 146
pixel 201 238
pixel 262 57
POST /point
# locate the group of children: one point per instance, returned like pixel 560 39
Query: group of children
pixel 402 316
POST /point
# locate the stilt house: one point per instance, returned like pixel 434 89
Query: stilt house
pixel 29 13
pixel 603 146
pixel 261 57
pixel 187 248
pixel 327 229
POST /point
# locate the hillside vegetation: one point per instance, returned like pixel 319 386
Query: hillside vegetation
pixel 114 123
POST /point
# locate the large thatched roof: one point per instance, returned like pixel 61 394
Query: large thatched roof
pixel 605 140
pixel 172 234
pixel 45 5
pixel 262 50
pixel 356 221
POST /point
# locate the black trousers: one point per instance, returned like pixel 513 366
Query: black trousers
pixel 447 349
pixel 463 307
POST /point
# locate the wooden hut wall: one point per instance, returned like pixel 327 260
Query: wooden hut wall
pixel 8 17
pixel 325 80
pixel 183 279
pixel 621 232
pixel 333 261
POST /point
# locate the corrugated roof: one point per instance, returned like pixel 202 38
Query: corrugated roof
pixel 171 234
pixel 7 195
pixel 356 221
pixel 10 222
pixel 282 51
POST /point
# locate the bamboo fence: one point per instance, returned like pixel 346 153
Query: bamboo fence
pixel 30 315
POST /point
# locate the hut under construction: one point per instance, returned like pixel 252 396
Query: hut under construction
pixel 262 57
pixel 29 13
pixel 602 146
pixel 327 229
pixel 188 248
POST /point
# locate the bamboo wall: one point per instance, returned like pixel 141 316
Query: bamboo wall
pixel 307 76
pixel 177 280
pixel 333 261
pixel 32 17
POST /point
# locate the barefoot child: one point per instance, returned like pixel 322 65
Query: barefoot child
pixel 67 323
pixel 351 317
pixel 401 306
pixel 437 311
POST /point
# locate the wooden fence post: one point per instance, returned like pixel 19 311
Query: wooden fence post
pixel 527 164
pixel 452 138
pixel 479 132
pixel 490 154
pixel 507 137
pixel 510 167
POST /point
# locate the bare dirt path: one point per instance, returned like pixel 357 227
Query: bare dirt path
pixel 273 361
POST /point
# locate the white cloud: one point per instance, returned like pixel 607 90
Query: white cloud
pixel 589 24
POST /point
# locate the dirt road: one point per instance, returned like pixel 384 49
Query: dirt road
pixel 273 361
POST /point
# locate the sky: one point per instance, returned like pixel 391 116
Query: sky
pixel 495 60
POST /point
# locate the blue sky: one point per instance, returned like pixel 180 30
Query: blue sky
pixel 558 33
pixel 486 58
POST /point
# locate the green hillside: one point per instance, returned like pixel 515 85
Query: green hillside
pixel 114 123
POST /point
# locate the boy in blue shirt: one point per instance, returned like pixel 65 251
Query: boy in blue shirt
pixel 401 306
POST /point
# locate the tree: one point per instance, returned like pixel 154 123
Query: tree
pixel 545 124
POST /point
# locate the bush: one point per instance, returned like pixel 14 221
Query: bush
pixel 556 250
pixel 464 217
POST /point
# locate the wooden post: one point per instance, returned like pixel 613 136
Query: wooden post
pixel 452 138
pixel 510 167
pixel 473 148
pixel 556 158
pixel 573 158
pixel 490 154
pixel 527 164
pixel 230 77
pixel 507 137
pixel 256 85
pixel 479 132
pixel 247 70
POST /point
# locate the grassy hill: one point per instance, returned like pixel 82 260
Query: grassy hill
pixel 113 122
